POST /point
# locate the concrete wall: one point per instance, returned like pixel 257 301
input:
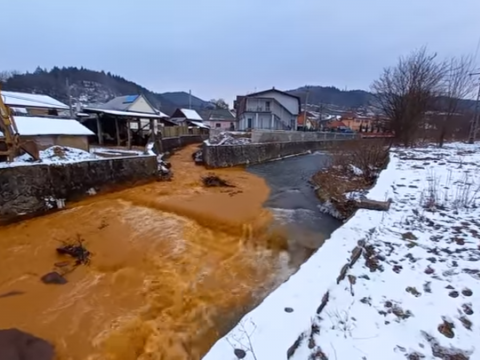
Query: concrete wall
pixel 45 141
pixel 265 136
pixel 176 142
pixel 233 155
pixel 26 190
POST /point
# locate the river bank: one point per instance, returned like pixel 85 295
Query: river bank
pixel 174 267
pixel 392 284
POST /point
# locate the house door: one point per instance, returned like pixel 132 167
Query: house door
pixel 249 123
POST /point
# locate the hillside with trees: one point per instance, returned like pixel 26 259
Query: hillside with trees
pixel 89 87
pixel 347 99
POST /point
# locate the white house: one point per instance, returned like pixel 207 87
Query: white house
pixel 270 109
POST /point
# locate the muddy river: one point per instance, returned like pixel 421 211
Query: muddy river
pixel 174 265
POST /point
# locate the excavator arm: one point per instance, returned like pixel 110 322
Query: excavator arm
pixel 10 142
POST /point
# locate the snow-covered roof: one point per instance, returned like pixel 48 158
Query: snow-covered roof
pixel 128 113
pixel 199 124
pixel 191 115
pixel 161 113
pixel 31 126
pixel 20 110
pixel 12 98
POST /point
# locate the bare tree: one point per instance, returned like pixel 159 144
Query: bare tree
pixel 458 85
pixel 7 74
pixel 219 103
pixel 405 92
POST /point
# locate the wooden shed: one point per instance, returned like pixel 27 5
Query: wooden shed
pixel 47 132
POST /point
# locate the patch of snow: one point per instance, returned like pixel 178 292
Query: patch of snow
pixel 226 138
pixel 329 209
pixel 125 113
pixel 19 99
pixel 114 151
pixel 421 278
pixel 52 155
pixel 356 170
pixel 31 126
pixel 191 115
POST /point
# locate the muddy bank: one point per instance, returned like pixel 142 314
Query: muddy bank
pixel 352 170
pixel 174 264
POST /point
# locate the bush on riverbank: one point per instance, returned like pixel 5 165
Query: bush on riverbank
pixel 353 169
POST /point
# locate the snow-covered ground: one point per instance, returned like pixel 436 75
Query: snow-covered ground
pixel 402 284
pixel 53 155
pixel 116 152
pixel 228 138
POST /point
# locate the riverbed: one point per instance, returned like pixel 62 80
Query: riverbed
pixel 174 264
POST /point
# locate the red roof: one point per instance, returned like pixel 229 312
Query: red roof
pixel 301 118
pixel 335 124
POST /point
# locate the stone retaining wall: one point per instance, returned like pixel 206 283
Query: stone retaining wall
pixel 265 136
pixel 233 155
pixel 34 189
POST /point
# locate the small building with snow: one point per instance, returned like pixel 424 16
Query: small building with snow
pixel 32 104
pixel 219 119
pixel 124 120
pixel 188 117
pixel 47 132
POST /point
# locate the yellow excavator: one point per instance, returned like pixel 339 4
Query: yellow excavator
pixel 11 143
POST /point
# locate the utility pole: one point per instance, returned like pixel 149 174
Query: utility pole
pixel 320 115
pixel 474 123
pixel 69 98
pixel 305 110
pixel 190 99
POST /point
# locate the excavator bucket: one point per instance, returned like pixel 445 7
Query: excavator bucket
pixel 31 148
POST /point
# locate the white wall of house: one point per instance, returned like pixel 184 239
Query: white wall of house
pixel 141 105
pixel 266 113
pixel 258 120
pixel 290 103
pixel 224 125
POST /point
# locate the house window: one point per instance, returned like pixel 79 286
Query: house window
pixel 217 125
pixel 267 105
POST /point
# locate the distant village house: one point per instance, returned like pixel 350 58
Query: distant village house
pixel 270 109
pixel 219 119
pixel 189 118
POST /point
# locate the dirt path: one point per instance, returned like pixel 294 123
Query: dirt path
pixel 174 264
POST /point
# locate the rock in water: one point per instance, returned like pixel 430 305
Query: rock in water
pixel 53 278
pixel 239 353
pixel 18 345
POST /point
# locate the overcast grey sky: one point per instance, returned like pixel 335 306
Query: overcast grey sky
pixel 220 48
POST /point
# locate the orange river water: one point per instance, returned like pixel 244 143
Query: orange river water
pixel 175 265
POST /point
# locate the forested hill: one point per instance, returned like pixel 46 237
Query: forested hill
pixel 347 99
pixel 89 87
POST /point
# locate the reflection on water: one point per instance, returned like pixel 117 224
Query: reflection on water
pixel 174 267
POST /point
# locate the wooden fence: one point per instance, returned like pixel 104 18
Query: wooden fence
pixel 176 131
